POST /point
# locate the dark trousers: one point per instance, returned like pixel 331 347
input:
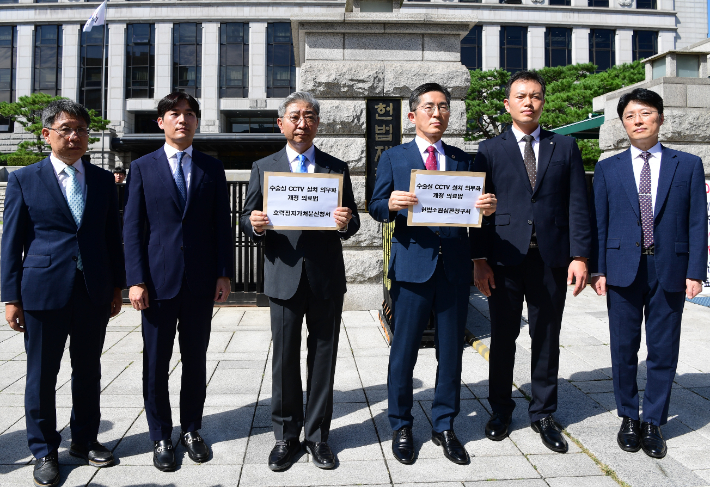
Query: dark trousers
pixel 628 306
pixel 412 306
pixel 544 289
pixel 45 340
pixel 192 318
pixel 323 324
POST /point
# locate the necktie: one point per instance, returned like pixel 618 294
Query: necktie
pixel 75 199
pixel 529 159
pixel 180 180
pixel 646 201
pixel 301 163
pixel 431 159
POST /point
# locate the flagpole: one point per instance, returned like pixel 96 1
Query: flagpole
pixel 103 93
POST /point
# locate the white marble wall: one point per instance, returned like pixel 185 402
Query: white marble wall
pixel 624 46
pixel 25 66
pixel 666 41
pixel 257 60
pixel 116 96
pixel 536 47
pixel 209 123
pixel 70 61
pixel 580 45
pixel 163 59
pixel 491 47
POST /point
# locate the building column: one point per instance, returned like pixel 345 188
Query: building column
pixel 25 66
pixel 116 96
pixel 666 41
pixel 624 46
pixel 665 4
pixel 579 3
pixel 536 47
pixel 490 47
pixel 209 121
pixel 580 45
pixel 257 60
pixel 70 61
pixel 163 59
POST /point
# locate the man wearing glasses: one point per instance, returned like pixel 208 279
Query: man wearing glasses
pixel 430 268
pixel 62 213
pixel 304 275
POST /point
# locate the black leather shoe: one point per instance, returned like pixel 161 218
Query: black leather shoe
pixel 629 436
pixel 46 472
pixel 403 445
pixel 453 449
pixel 550 434
pixel 652 441
pixel 497 427
pixel 283 454
pixel 96 454
pixel 197 449
pixel 164 455
pixel 322 454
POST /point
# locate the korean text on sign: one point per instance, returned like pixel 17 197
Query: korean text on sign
pixel 302 201
pixel 446 198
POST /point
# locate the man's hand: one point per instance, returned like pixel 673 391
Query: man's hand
pixel 139 296
pixel 598 284
pixel 483 277
pixel 258 220
pixel 222 290
pixel 15 317
pixel 578 270
pixel 342 216
pixel 487 202
pixel 693 287
pixel 401 200
pixel 116 302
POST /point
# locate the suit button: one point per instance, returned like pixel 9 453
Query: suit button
pixel 637 244
pixel 638 222
pixel 181 247
pixel 532 200
pixel 74 258
pixel 436 233
pixel 529 222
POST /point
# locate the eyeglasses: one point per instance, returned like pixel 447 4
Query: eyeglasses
pixel 67 132
pixel 429 109
pixel 296 120
pixel 644 114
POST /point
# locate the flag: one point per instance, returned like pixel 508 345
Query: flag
pixel 97 18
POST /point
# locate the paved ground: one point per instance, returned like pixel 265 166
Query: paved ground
pixel 237 419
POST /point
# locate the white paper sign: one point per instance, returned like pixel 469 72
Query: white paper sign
pixel 446 198
pixel 302 201
pixel 706 285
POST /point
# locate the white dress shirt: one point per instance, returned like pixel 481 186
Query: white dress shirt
pixel 171 152
pixel 63 177
pixel 296 164
pixel 654 161
pixel 535 143
pixel 438 153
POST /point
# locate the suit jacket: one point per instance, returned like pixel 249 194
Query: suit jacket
pixel 679 221
pixel 415 250
pixel 557 206
pixel 38 222
pixel 287 252
pixel 163 244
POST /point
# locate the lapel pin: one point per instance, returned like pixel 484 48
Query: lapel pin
pixel 551 143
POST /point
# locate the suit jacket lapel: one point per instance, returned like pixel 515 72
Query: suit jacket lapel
pixel 625 169
pixel 196 176
pixel 669 163
pixel 413 155
pixel 318 167
pixel 90 177
pixel 453 164
pixel 46 174
pixel 280 161
pixel 547 146
pixel 163 169
pixel 511 146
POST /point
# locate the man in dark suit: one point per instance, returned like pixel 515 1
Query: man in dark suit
pixel 430 268
pixel 649 252
pixel 178 264
pixel 62 214
pixel 537 242
pixel 304 275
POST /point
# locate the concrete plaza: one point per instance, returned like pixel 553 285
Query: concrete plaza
pixel 237 414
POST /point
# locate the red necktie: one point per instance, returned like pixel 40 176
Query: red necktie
pixel 431 160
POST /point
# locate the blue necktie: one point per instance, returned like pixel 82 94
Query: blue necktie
pixel 302 163
pixel 75 199
pixel 180 180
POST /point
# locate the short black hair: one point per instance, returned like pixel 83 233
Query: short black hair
pixel 57 107
pixel 525 76
pixel 119 170
pixel 168 103
pixel 426 88
pixel 641 95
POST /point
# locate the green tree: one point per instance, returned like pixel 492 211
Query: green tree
pixel 485 111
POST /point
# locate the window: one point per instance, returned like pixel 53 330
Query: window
pixel 140 60
pixel 470 1
pixel 90 68
pixel 8 67
pixel 234 60
pixel 472 48
pixel 598 3
pixel 645 44
pixel 46 1
pixel 245 123
pixel 558 46
pixel 513 48
pixel 650 4
pixel 146 123
pixel 9 1
pixel 280 62
pixel 48 60
pixel 564 3
pixel 514 2
pixel 187 58
pixel 601 48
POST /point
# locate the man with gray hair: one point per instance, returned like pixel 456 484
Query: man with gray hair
pixel 304 275
pixel 62 214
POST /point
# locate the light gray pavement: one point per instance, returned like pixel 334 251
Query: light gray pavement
pixel 237 414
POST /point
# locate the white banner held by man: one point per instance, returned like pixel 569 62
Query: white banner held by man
pixel 446 198
pixel 302 201
pixel 97 18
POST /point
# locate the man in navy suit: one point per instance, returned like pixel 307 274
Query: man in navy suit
pixel 430 268
pixel 650 251
pixel 537 242
pixel 178 264
pixel 62 214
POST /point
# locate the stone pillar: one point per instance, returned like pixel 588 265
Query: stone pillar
pixel 579 3
pixel 25 65
pixel 580 45
pixel 163 59
pixel 536 47
pixel 624 46
pixel 116 96
pixel 666 41
pixel 665 4
pixel 209 123
pixel 491 47
pixel 70 61
pixel 257 60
